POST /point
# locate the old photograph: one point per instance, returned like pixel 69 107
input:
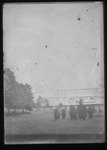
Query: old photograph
pixel 53 73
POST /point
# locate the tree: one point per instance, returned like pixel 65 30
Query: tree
pixel 39 102
pixel 9 89
pixel 17 96
pixel 25 97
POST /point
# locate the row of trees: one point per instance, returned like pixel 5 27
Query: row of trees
pixel 41 102
pixel 16 96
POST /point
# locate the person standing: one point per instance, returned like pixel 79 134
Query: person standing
pixel 82 111
pixel 63 113
pixel 56 113
pixel 90 112
pixel 73 113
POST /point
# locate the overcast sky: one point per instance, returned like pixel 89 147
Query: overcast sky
pixel 54 46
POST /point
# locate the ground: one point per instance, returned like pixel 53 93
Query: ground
pixel 42 122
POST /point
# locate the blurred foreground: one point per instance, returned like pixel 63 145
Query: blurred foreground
pixel 42 122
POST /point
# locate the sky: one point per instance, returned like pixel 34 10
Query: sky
pixel 54 46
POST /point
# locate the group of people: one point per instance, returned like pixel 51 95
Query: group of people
pixel 57 113
pixel 80 112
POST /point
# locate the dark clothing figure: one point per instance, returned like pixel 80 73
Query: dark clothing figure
pixel 73 113
pixel 79 112
pixel 56 113
pixel 90 112
pixel 82 112
pixel 63 113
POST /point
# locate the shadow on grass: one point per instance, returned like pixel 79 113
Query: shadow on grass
pixel 59 119
pixel 16 114
pixel 99 116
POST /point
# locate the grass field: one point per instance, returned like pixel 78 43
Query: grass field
pixel 42 122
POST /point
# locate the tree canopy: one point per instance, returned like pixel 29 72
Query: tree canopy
pixel 17 96
pixel 41 102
